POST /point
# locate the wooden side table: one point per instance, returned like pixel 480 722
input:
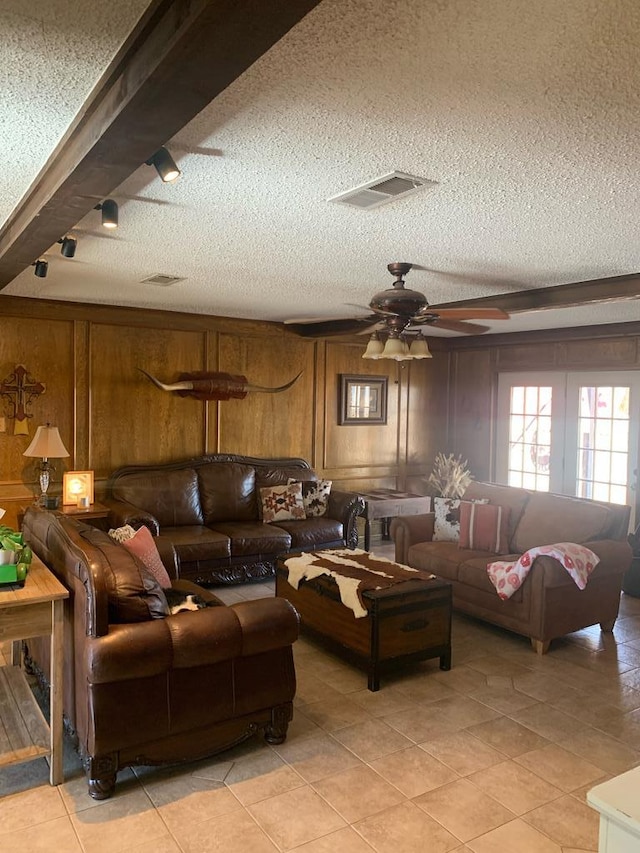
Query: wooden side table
pixel 97 512
pixel 35 610
pixel 387 503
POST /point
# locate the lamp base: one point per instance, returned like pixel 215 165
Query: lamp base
pixel 49 502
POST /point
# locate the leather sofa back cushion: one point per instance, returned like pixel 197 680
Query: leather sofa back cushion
pixel 133 593
pixel 549 519
pixel 515 500
pixel 280 476
pixel 228 492
pixel 170 496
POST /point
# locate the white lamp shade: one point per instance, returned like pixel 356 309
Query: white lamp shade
pixel 374 348
pixel 419 348
pixel 394 348
pixel 47 444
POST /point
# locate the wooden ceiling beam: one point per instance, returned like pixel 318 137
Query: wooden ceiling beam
pixel 179 57
pixel 575 294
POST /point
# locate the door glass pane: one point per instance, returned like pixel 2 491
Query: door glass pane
pixel 603 438
pixel 529 437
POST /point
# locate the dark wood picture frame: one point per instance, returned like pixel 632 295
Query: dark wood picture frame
pixel 363 400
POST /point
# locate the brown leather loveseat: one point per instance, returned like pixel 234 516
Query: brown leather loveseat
pixel 209 507
pixel 548 604
pixel 143 687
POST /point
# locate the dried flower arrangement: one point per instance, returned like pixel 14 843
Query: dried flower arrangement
pixel 450 476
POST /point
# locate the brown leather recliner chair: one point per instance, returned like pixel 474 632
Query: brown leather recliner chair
pixel 145 688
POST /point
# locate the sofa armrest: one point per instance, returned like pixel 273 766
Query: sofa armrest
pixel 168 555
pixel 190 639
pixel 121 513
pixel 615 558
pixel 267 623
pixel 346 507
pixel 407 530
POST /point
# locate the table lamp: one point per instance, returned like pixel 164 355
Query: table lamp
pixel 46 444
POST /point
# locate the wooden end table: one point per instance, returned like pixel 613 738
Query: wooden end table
pixel 35 610
pixel 387 503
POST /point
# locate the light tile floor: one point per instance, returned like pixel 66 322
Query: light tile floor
pixel 495 756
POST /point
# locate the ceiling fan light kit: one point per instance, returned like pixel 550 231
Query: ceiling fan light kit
pixel 397 348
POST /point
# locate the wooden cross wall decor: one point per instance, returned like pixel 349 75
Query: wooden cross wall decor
pixel 20 389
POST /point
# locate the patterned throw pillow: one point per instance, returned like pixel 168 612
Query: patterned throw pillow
pixel 446 526
pixel 315 496
pixel 121 534
pixel 142 545
pixel 484 527
pixel 282 503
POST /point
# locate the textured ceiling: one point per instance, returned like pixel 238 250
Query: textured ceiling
pixel 525 114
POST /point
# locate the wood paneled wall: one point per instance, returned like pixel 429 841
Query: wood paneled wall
pixel 110 415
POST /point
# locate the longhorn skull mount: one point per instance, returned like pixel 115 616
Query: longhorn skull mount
pixel 215 386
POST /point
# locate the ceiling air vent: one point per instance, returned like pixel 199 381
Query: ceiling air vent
pixel 382 190
pixel 161 279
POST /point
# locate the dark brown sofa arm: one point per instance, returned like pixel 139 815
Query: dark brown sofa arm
pixel 121 513
pixel 190 639
pixel 346 507
pixel 407 530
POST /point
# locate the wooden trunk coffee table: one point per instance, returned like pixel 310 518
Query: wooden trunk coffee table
pixel 409 621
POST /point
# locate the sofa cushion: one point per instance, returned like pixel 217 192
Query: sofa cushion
pixel 253 538
pixel 142 545
pixel 484 527
pixel 197 542
pixel 315 496
pixel 473 572
pixel 446 525
pixel 227 492
pixel 506 496
pixel 170 496
pixel 278 476
pixel 548 519
pixel 282 503
pixel 313 532
pixel 133 594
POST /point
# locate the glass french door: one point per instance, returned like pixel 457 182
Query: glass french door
pixel 573 433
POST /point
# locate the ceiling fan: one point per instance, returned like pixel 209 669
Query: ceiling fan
pixel 398 310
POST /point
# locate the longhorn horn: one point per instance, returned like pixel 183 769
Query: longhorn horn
pixel 175 386
pixel 264 390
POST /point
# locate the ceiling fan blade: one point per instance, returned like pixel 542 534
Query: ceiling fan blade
pixel 335 327
pixel 380 311
pixel 470 313
pixel 612 289
pixel 459 326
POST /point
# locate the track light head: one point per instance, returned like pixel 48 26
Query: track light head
pixel 109 210
pixel 165 165
pixel 41 267
pixel 69 245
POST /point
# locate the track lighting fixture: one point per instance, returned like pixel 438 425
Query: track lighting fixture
pixel 109 210
pixel 41 267
pixel 165 165
pixel 69 245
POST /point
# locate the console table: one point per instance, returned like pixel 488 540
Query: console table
pixel 387 503
pixel 34 610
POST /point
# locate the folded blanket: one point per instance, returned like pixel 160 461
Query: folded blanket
pixel 576 559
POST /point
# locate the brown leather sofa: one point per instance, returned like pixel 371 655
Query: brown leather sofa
pixel 548 604
pixel 142 687
pixel 209 507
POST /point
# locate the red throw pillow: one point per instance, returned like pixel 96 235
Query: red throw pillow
pixel 143 546
pixel 484 527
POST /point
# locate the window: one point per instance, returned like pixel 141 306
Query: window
pixel 573 433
